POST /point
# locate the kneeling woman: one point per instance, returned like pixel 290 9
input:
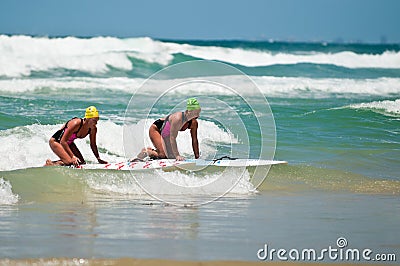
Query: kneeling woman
pixel 163 133
pixel 62 142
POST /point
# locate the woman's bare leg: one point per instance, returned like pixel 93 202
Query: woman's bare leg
pixel 60 152
pixel 157 141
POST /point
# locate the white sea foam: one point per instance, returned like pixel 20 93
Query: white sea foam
pixel 387 107
pixel 20 55
pixel 6 195
pixel 159 183
pixel 77 83
pixel 27 146
pixel 270 86
pixel 23 54
pixel 254 58
pixel 232 180
pixel 320 88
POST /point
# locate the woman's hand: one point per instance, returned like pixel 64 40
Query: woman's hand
pixel 179 158
pixel 75 160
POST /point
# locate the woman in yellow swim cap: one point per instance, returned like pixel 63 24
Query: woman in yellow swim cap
pixel 62 142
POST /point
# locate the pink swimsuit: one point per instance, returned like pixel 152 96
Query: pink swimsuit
pixel 166 127
pixel 72 138
pixel 166 131
pixel 58 135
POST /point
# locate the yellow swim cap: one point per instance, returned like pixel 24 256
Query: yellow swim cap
pixel 91 112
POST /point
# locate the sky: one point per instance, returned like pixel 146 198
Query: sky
pixel 371 21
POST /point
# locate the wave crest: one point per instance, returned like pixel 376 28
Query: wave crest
pixel 288 87
pixel 22 55
pixel 387 107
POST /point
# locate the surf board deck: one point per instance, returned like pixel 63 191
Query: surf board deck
pixel 166 164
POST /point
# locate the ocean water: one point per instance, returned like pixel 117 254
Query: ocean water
pixel 333 114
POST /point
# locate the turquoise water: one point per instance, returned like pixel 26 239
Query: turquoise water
pixel 336 109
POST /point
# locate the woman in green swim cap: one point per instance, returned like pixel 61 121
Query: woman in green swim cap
pixel 163 133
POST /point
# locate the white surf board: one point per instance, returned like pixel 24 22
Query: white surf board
pixel 166 164
pixel 238 162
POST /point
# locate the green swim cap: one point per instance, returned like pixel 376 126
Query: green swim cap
pixel 192 104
